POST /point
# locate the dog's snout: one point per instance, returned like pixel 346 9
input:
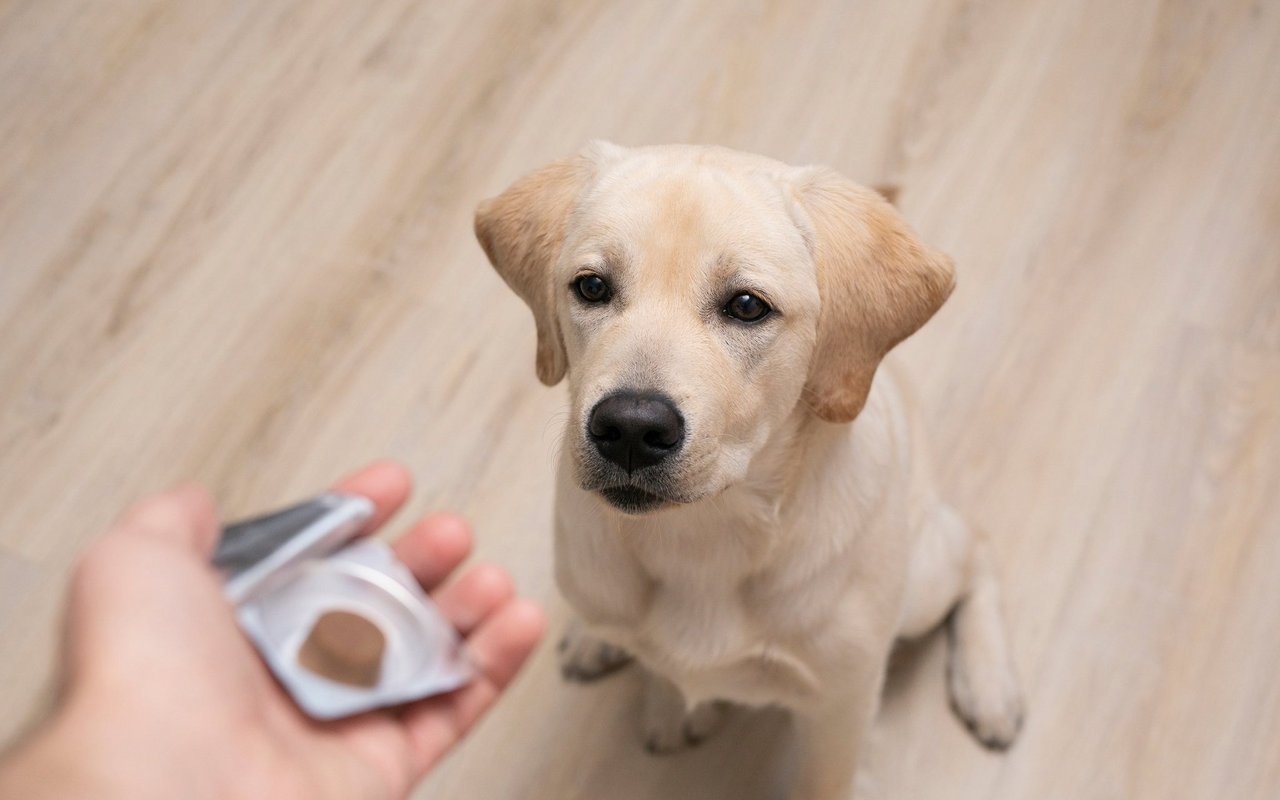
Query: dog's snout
pixel 635 430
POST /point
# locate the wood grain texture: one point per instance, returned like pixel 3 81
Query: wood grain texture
pixel 235 247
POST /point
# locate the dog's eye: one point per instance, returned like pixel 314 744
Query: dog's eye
pixel 593 288
pixel 746 307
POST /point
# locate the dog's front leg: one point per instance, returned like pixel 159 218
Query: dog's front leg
pixel 831 739
pixel 670 725
pixel 585 658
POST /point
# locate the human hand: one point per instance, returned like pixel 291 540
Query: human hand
pixel 166 698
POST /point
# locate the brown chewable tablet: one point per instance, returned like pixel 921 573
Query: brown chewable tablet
pixel 344 647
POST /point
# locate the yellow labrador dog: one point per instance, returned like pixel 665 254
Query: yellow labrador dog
pixel 744 503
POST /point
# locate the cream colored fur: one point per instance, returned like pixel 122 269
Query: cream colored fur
pixel 803 533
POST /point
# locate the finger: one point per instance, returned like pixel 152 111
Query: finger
pixel 498 649
pixel 434 547
pixel 185 515
pixel 499 646
pixel 386 483
pixel 468 601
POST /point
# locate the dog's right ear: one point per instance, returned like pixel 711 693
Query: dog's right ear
pixel 522 232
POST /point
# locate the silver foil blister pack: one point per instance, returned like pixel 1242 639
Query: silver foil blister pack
pixel 293 572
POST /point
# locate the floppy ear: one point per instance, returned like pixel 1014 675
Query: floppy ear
pixel 878 285
pixel 522 231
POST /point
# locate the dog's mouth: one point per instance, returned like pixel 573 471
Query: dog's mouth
pixel 632 499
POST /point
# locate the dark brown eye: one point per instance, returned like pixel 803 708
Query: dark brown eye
pixel 746 307
pixel 593 289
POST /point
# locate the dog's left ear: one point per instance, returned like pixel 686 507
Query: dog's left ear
pixel 522 232
pixel 877 281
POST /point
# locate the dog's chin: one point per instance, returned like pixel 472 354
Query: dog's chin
pixel 633 500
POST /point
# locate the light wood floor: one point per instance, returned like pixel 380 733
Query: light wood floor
pixel 235 247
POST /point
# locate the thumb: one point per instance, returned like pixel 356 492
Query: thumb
pixel 184 516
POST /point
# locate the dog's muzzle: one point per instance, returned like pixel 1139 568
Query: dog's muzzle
pixel 633 433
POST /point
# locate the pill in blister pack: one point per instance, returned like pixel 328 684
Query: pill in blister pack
pixel 340 621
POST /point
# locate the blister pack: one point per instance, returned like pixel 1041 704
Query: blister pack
pixel 340 621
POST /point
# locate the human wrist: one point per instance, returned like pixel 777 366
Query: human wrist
pixel 45 765
pixel 77 754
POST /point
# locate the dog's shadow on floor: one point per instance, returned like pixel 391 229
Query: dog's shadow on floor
pixel 909 665
pixel 752 757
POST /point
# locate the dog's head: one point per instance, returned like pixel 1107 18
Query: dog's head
pixel 696 298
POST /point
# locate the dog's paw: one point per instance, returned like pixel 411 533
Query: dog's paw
pixel 584 658
pixel 987 700
pixel 668 733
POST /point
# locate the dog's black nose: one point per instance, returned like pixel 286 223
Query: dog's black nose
pixel 635 430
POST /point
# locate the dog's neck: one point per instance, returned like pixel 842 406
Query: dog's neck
pixel 769 485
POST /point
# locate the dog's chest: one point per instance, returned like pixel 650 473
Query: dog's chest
pixel 707 625
pixel 699 623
